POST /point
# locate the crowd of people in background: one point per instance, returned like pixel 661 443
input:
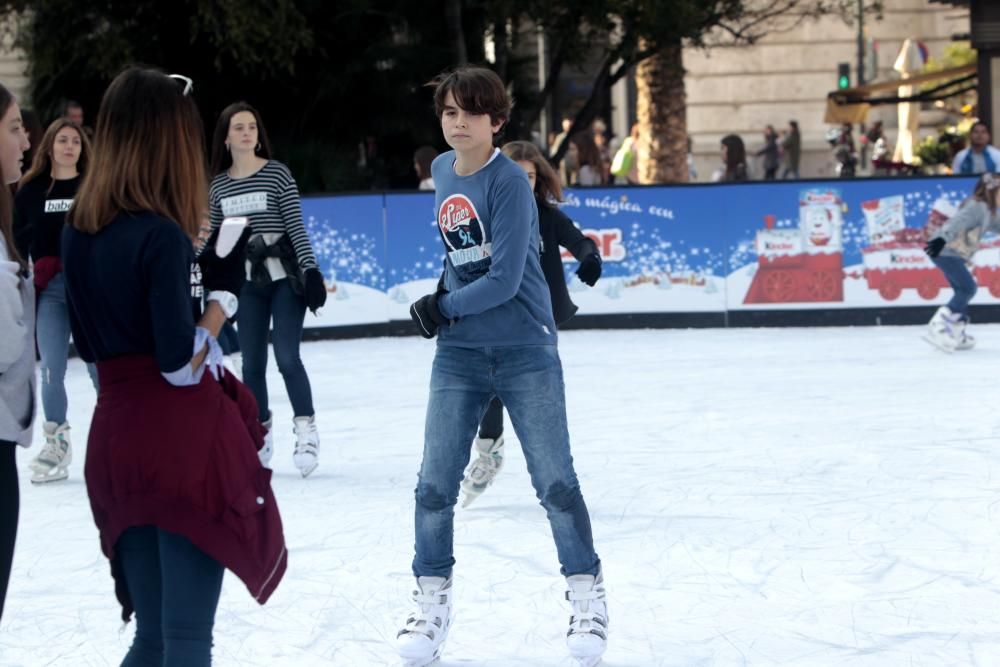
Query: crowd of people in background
pixel 595 157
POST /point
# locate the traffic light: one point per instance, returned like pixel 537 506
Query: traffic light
pixel 843 76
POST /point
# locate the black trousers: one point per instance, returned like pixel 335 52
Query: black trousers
pixel 10 503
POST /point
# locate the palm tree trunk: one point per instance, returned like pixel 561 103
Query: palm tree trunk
pixel 661 112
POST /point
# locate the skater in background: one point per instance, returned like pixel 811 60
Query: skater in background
pixel 422 159
pixel 496 337
pixel 557 232
pixel 734 160
pixel 175 484
pixel 17 342
pixel 951 250
pixel 283 278
pixel 44 196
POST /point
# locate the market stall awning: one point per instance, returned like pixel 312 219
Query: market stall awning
pixel 851 105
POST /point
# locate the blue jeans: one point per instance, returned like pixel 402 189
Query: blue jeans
pixel 961 280
pixel 529 381
pixel 175 590
pixel 256 309
pixel 52 334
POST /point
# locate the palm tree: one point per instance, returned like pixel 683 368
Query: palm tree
pixel 661 113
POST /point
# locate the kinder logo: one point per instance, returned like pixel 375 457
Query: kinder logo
pixel 907 259
pixel 779 246
pixel 460 224
pixel 58 205
pixel 608 242
pixel 251 202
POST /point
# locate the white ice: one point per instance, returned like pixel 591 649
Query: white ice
pixel 759 497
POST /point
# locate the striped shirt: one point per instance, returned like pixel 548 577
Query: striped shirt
pixel 270 199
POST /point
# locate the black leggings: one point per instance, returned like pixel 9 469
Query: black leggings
pixel 492 424
pixel 9 507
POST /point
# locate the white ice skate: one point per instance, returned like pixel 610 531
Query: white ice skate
pixel 421 640
pixel 587 638
pixel 941 330
pixel 306 455
pixel 267 451
pixel 52 463
pixel 484 469
pixel 965 341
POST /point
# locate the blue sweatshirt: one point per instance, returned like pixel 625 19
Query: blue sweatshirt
pixel 496 289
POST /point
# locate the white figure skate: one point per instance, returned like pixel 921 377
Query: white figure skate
pixel 483 470
pixel 267 451
pixel 52 463
pixel 306 455
pixel 587 638
pixel 421 640
pixel 941 330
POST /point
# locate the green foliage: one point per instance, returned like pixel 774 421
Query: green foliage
pixel 330 76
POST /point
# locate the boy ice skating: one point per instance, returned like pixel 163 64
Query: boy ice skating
pixel 496 338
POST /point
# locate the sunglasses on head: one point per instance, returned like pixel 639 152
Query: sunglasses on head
pixel 188 83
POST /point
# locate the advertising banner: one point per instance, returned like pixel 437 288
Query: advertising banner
pixel 697 248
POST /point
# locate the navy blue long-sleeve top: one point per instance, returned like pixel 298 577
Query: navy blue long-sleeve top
pixel 128 290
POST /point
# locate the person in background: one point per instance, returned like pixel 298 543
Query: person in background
pixel 557 232
pixel 588 156
pixel 625 166
pixel 734 160
pixel 17 343
pixel 422 159
pixel 283 279
pixel 45 195
pixel 73 110
pixel 175 485
pixel 770 153
pixel 791 151
pixel 951 250
pixel 980 157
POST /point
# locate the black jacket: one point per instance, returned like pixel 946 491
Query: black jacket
pixel 558 230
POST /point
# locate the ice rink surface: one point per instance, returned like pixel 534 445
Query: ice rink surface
pixel 759 497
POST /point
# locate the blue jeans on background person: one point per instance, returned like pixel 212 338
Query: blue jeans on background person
pixel 257 308
pixel 175 590
pixel 491 426
pixel 52 334
pixel 961 281
pixel 529 382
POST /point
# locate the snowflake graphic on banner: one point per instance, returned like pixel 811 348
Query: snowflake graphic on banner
pixel 428 264
pixel 352 258
pixel 651 254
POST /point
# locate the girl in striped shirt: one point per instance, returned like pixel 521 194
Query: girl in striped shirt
pixel 283 278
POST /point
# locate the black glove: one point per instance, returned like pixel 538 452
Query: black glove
pixel 315 290
pixel 935 246
pixel 425 312
pixel 224 273
pixel 590 269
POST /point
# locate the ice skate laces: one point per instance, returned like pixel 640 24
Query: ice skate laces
pixel 429 620
pixel 589 609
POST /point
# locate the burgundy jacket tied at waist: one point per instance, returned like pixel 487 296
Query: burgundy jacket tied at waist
pixel 183 459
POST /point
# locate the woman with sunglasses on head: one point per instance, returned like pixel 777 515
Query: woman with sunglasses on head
pixel 283 278
pixel 44 196
pixel 17 344
pixel 176 489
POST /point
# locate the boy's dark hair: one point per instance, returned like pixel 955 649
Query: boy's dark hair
pixel 476 89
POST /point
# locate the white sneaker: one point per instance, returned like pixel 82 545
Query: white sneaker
pixel 421 640
pixel 483 470
pixel 587 638
pixel 52 463
pixel 267 451
pixel 306 455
